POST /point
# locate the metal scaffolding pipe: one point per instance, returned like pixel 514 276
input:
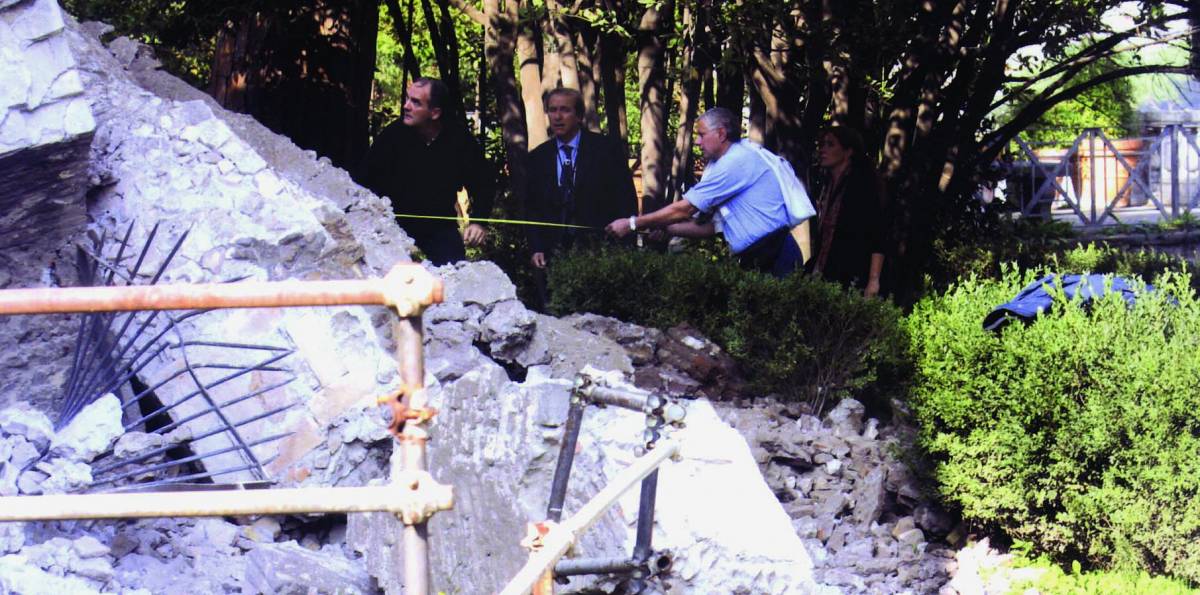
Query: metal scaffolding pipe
pixel 410 345
pixel 566 458
pixel 408 288
pixel 583 566
pixel 604 395
pixel 563 535
pixel 645 522
pixel 656 563
pixel 412 491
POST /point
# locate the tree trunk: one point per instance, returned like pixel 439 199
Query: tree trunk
pixel 652 85
pixel 402 24
pixel 499 43
pixel 612 68
pixel 689 97
pixel 757 126
pixel 531 79
pixel 586 52
pixel 442 37
pixel 551 61
pixel 266 63
pixel 565 43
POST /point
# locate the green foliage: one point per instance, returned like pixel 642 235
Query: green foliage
pixel 181 32
pixel 1054 580
pixel 389 59
pixel 799 337
pixel 1034 244
pixel 1110 107
pixel 1077 433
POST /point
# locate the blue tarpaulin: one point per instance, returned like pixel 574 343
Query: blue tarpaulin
pixel 1036 298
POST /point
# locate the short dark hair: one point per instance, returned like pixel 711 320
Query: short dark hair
pixel 720 117
pixel 574 95
pixel 438 92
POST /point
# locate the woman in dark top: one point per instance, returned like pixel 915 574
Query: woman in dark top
pixel 851 212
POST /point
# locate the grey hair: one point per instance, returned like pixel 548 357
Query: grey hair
pixel 719 117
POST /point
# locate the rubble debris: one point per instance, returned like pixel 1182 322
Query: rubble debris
pixel 292 568
pixel 847 508
pixel 90 433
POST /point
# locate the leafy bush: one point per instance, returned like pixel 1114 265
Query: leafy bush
pixel 799 337
pixel 1034 244
pixel 1079 432
pixel 1055 580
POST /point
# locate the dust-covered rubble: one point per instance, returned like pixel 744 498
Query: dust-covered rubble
pixel 208 555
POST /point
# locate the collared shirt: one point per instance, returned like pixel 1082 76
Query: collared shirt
pixel 741 187
pixel 574 144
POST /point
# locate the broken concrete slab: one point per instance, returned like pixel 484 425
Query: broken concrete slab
pixel 92 432
pixel 289 568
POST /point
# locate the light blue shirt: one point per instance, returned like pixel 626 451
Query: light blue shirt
pixel 558 156
pixel 744 190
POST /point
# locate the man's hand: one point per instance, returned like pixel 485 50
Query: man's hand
pixel 538 260
pixel 475 234
pixel 872 288
pixel 619 228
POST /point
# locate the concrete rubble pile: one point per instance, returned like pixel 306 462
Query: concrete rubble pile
pixel 46 127
pixel 835 509
pixel 858 508
pixel 149 556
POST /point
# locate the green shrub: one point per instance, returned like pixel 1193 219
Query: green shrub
pixel 1103 258
pixel 1055 581
pixel 798 337
pixel 1080 432
pixel 1031 244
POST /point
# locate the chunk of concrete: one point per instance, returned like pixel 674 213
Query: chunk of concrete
pixel 28 423
pixel 291 568
pixel 92 432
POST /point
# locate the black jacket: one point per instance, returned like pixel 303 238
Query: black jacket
pixel 423 179
pixel 603 191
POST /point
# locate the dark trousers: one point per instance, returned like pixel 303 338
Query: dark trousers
pixel 776 253
pixel 440 241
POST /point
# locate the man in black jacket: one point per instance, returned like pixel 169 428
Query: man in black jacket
pixel 577 177
pixel 421 162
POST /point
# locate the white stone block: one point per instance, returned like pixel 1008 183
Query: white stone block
pixel 13 133
pixel 46 60
pixel 78 118
pixel 16 79
pixel 68 84
pixel 213 133
pixel 268 184
pixel 244 158
pixel 91 432
pixel 36 20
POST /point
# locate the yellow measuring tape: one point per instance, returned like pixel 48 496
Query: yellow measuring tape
pixel 501 221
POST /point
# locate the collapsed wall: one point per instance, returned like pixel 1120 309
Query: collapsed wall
pixel 254 207
pixel 46 127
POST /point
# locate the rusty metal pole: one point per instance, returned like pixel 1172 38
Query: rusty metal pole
pixel 408 288
pixel 405 493
pixel 410 345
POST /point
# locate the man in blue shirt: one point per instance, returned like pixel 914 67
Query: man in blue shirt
pixel 741 193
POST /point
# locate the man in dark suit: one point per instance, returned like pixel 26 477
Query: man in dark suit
pixel 577 177
pixel 421 162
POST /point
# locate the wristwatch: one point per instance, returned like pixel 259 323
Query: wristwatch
pixel 633 223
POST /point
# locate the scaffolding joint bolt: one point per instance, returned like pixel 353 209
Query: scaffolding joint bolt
pixel 422 496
